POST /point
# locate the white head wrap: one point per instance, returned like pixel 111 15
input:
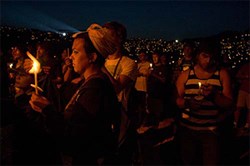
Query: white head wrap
pixel 102 39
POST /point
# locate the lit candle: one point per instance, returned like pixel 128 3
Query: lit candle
pixel 151 66
pixel 35 69
pixel 199 96
pixel 11 65
pixel 199 83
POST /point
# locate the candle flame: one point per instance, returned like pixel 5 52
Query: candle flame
pixel 199 84
pixel 36 65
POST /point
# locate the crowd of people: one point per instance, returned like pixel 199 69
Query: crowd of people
pixel 97 106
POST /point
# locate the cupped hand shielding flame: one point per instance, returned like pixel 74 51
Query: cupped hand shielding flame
pixel 36 68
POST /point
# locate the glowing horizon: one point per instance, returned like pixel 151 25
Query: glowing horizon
pixel 20 16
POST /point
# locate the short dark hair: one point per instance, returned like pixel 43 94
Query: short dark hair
pixel 120 29
pixel 210 46
pixel 189 44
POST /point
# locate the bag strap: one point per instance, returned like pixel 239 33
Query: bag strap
pixel 117 66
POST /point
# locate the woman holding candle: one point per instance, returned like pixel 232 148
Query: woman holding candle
pixel 91 118
pixel 22 140
pixel 45 79
pixel 201 118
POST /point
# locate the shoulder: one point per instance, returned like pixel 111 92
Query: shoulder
pixel 97 86
pixel 147 64
pixel 183 76
pixel 127 62
pixel 99 81
pixel 126 59
pixel 94 87
pixel 224 72
pixel 224 75
pixel 185 73
pixel 109 62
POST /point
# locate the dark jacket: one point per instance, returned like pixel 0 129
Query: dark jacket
pixel 91 122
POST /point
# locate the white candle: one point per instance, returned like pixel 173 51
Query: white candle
pixel 35 65
pixel 35 77
pixel 199 96
pixel 35 69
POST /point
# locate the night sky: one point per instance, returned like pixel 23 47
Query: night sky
pixel 147 19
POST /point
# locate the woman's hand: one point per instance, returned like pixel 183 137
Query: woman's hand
pixel 28 64
pixel 68 61
pixel 209 91
pixel 38 103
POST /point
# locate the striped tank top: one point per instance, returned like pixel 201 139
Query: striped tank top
pixel 205 118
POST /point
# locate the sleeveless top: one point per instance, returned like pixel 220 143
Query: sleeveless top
pixel 206 117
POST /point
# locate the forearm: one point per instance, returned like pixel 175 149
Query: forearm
pixel 67 75
pixel 180 102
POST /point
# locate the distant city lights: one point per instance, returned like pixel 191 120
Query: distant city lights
pixel 235 47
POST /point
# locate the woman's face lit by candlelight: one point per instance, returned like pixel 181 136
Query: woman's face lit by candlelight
pixel 79 56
